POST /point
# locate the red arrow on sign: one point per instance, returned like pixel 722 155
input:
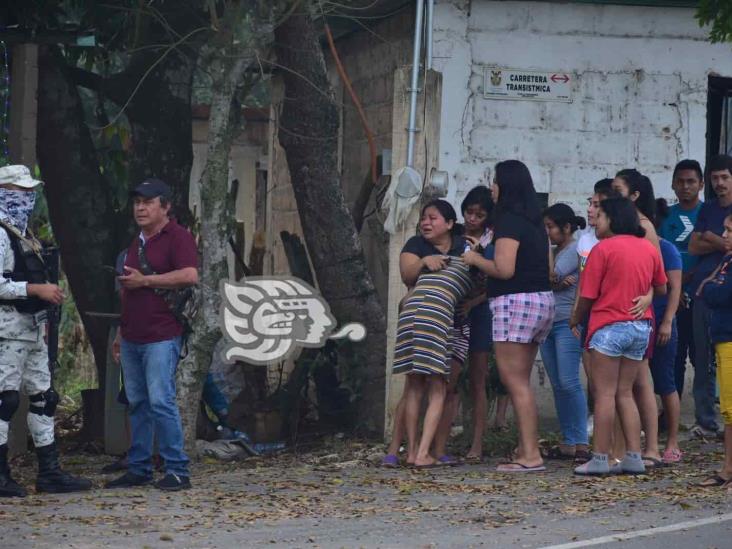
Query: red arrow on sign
pixel 560 78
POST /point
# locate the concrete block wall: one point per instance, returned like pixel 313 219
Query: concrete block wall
pixel 639 93
pixel 370 60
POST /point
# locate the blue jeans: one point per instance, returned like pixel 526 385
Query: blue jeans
pixel 561 353
pixel 663 362
pixel 214 398
pixel 705 370
pixel 149 370
pixel 685 344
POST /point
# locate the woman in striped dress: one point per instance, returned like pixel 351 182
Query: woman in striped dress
pixel 431 264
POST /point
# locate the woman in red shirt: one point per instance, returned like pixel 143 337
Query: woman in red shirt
pixel 621 267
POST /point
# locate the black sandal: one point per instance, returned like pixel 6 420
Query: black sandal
pixel 555 452
pixel 713 481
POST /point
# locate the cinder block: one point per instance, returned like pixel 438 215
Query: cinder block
pixel 656 118
pixel 605 148
pixel 578 178
pixel 497 113
pixel 657 88
pixel 492 17
pixel 661 151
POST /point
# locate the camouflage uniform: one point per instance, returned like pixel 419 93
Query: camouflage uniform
pixel 23 351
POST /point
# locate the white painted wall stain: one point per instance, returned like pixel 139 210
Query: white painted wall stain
pixel 639 96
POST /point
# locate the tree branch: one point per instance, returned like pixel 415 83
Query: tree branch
pixel 116 87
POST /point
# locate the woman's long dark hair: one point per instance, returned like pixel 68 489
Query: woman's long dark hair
pixel 517 193
pixel 563 215
pixel 662 211
pixel 447 211
pixel 639 183
pixel 623 216
pixel 479 196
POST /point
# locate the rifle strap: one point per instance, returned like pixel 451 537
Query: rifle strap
pixel 29 238
pixel 145 265
pixel 147 270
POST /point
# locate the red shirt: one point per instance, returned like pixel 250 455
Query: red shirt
pixel 146 317
pixel 618 270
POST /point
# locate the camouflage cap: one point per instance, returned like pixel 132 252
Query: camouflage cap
pixel 19 175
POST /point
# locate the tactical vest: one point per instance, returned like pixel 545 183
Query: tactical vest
pixel 29 267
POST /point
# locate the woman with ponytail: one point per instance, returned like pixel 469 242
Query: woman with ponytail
pixel 635 186
pixel 562 351
pixel 621 267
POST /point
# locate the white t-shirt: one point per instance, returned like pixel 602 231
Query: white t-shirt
pixel 586 240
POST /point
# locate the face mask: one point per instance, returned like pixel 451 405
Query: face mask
pixel 16 207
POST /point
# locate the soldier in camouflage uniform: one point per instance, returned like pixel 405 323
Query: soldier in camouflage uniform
pixel 25 295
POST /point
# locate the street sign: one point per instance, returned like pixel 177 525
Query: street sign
pixel 527 85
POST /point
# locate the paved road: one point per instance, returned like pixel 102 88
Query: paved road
pixel 339 499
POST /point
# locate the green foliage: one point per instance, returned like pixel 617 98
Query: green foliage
pixel 718 14
pixel 75 370
pixel 40 223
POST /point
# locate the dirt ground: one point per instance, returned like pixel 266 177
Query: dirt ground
pixel 336 496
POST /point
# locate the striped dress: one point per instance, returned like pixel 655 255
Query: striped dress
pixel 427 318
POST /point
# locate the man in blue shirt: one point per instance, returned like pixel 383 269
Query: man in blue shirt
pixel 707 244
pixel 687 183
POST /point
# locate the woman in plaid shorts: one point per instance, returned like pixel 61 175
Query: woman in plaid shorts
pixel 521 299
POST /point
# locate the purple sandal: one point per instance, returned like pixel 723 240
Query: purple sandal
pixel 390 461
pixel 448 460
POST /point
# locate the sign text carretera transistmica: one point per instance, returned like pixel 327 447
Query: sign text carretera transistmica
pixel 502 83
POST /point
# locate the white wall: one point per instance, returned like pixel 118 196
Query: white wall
pixel 639 96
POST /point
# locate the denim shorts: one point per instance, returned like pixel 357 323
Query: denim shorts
pixel 627 339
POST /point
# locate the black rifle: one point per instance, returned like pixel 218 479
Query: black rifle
pixel 51 259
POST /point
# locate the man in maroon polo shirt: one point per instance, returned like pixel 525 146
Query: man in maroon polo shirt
pixel 149 339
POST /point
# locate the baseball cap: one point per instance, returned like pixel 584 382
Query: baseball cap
pixel 150 188
pixel 19 175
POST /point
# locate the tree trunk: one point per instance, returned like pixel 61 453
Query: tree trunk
pixel 162 133
pixel 309 136
pixel 226 64
pixel 79 198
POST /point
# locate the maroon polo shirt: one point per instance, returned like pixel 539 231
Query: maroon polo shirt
pixel 146 317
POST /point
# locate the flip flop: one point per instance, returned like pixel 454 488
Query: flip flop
pixel 507 468
pixel 672 456
pixel 473 460
pixel 390 461
pixel 555 452
pixel 654 463
pixel 428 466
pixel 714 481
pixel 448 461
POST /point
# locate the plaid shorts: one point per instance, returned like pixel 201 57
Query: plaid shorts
pixel 523 318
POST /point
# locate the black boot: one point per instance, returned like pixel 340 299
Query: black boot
pixel 8 487
pixel 50 476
